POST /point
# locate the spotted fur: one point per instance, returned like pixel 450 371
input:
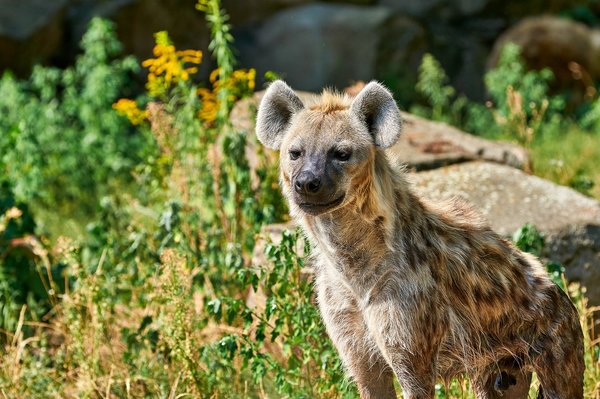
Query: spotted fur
pixel 405 287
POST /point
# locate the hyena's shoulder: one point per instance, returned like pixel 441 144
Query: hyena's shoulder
pixel 457 211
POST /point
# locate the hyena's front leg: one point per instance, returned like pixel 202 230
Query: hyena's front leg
pixel 505 379
pixel 346 328
pixel 557 354
pixel 409 333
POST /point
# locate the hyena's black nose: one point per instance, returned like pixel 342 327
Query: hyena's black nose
pixel 307 183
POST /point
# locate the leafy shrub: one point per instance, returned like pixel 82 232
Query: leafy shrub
pixel 591 119
pixel 520 106
pixel 299 361
pixel 443 103
pixel 520 99
pixel 60 142
pixel 530 239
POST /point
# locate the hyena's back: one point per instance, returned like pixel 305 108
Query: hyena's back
pixel 501 309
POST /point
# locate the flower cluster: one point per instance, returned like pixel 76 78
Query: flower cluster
pixel 169 65
pixel 239 85
pixel 129 108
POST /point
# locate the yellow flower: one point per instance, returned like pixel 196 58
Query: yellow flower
pixel 241 83
pixel 169 65
pixel 242 77
pixel 129 108
pixel 252 79
pixel 190 56
pixel 156 85
pixel 214 76
pixel 209 105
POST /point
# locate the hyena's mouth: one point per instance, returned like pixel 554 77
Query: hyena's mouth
pixel 316 208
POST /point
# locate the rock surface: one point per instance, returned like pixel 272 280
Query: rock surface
pixel 31 31
pixel 312 43
pixel 138 20
pixel 427 145
pixel 508 197
pixel 578 248
pixel 249 12
pixel 331 44
pixel 439 8
pixel 423 144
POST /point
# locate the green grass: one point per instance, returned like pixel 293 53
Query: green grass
pixel 570 158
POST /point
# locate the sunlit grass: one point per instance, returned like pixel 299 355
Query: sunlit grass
pixel 570 158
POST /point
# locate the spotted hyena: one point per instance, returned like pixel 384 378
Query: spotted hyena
pixel 406 287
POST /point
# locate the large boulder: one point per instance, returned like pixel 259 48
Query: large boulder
pixel 510 198
pixel 31 31
pixel 578 247
pixel 249 12
pixel 460 9
pixel 254 11
pixel 438 8
pixel 331 44
pixel 569 48
pixel 423 144
pixel 138 20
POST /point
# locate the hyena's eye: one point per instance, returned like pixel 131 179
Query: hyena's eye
pixel 342 155
pixel 295 154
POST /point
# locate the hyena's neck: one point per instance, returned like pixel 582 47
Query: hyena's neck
pixel 363 233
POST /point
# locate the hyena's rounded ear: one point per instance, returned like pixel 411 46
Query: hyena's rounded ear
pixel 276 109
pixel 376 108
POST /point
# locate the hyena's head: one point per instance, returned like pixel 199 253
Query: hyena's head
pixel 328 149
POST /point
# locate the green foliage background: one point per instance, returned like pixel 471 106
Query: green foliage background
pixel 128 270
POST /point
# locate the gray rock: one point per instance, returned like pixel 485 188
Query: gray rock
pixel 427 145
pixel 578 248
pixel 462 51
pixel 22 18
pixel 249 12
pixel 457 10
pixel 413 7
pixel 423 145
pixel 252 11
pixel 438 8
pixel 509 198
pixel 138 20
pixel 31 32
pixel 330 44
